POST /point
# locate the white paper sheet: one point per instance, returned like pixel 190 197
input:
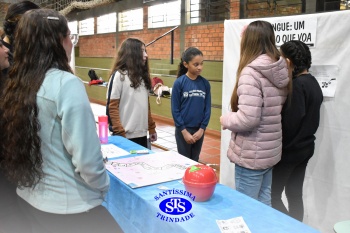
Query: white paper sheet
pixel 327 76
pixel 150 169
pixel 233 225
pixel 112 151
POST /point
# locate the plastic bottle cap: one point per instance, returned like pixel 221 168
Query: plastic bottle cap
pixel 102 118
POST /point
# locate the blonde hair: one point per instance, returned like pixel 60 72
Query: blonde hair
pixel 257 39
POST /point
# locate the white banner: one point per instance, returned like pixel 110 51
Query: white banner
pixel 287 29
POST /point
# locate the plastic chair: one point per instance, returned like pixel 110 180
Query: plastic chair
pixel 342 227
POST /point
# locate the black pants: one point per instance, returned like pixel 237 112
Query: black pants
pixel 17 216
pixel 10 215
pixel 191 151
pixel 141 141
pixel 289 175
pixel 95 220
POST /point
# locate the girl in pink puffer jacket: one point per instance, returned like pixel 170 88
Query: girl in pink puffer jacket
pixel 256 102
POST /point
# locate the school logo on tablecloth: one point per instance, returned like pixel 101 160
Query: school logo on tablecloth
pixel 175 205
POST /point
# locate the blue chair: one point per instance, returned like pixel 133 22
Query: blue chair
pixel 342 227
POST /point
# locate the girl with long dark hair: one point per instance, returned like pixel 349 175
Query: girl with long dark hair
pixel 128 94
pixel 49 143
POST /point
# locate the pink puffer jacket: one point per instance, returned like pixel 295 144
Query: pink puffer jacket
pixel 256 139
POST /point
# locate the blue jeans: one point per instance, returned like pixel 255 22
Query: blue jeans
pixel 254 183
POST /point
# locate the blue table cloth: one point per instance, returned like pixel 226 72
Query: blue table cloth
pixel 137 210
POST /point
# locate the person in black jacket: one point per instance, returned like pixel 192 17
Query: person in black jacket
pixel 300 121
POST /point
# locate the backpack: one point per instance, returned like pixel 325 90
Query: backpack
pixel 92 74
pixel 160 90
pixel 156 80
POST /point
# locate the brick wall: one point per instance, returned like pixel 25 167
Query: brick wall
pixel 106 45
pixel 234 9
pixel 208 37
pixel 98 45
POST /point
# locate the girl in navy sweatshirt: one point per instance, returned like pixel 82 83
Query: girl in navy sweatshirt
pixel 190 104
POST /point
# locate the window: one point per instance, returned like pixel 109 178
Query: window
pixel 73 27
pixel 86 27
pixel 199 11
pixel 194 13
pixel 164 15
pixel 130 20
pixel 107 23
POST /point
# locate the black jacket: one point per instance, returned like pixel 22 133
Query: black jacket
pixel 301 113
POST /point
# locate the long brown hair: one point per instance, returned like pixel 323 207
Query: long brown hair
pixel 257 39
pixel 130 59
pixel 38 47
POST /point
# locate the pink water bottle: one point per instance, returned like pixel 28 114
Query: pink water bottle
pixel 103 129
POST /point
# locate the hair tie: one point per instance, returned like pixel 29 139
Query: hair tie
pixel 52 18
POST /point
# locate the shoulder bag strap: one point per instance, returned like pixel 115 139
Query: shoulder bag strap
pixel 108 99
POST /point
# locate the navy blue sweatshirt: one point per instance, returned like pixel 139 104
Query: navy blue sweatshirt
pixel 191 102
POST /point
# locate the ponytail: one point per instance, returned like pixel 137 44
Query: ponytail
pixel 181 70
pixel 187 56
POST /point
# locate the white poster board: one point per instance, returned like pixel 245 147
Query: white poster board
pixel 327 179
pixel 139 171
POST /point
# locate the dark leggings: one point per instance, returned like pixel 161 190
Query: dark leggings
pixel 289 174
pixel 141 141
pixel 191 151
pixel 97 219
pixel 11 218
